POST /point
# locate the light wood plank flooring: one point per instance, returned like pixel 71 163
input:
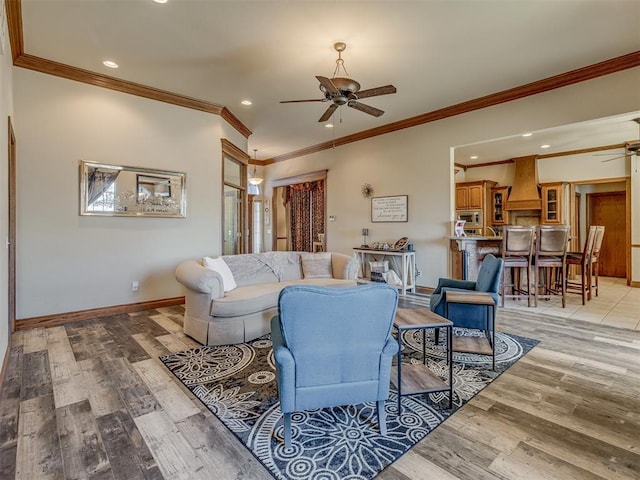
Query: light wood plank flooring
pixel 92 400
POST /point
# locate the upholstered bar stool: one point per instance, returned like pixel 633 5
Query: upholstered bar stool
pixel 551 255
pixel 594 267
pixel 583 260
pixel 517 252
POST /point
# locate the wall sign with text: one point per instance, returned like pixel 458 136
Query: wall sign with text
pixel 390 209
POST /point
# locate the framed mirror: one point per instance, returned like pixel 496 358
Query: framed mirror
pixel 117 190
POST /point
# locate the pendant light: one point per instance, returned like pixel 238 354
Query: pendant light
pixel 254 181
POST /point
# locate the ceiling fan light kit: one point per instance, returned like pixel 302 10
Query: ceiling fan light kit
pixel 343 90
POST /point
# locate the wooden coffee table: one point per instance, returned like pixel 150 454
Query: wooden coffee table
pixel 413 379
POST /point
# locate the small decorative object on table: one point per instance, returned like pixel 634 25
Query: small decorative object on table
pixel 401 244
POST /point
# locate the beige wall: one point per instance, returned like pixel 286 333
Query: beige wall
pixel 418 162
pixel 67 262
pixel 6 110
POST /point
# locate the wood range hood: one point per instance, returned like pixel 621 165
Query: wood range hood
pixel 525 194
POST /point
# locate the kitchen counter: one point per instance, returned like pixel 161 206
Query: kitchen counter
pixel 467 254
pixel 476 238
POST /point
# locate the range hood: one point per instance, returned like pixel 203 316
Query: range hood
pixel 525 194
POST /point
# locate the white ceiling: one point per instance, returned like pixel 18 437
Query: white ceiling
pixel 437 53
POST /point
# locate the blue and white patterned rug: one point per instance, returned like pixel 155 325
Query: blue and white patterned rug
pixel 237 383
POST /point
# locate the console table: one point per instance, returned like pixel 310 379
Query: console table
pixel 407 264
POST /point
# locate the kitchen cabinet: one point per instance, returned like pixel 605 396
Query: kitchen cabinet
pixel 555 203
pixel 476 196
pixel 499 214
pixel 469 195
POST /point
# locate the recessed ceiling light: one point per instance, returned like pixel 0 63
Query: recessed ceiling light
pixel 527 134
pixel 473 157
pixel 246 102
pixel 329 125
pixel 545 146
pixel 160 1
pixel 110 64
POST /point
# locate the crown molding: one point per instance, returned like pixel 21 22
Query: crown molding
pixel 590 72
pixel 14 22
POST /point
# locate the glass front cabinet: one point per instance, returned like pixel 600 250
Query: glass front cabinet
pixel 554 202
pixel 499 215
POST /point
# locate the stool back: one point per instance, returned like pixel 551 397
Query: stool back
pixel 551 240
pixel 597 244
pixel 589 244
pixel 517 241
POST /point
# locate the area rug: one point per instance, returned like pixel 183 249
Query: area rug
pixel 237 383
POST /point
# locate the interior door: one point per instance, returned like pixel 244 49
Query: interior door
pixel 12 230
pixel 609 209
pixel 232 238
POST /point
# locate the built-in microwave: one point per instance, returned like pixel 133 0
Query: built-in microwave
pixel 473 218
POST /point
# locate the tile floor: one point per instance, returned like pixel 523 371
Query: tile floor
pixel 616 305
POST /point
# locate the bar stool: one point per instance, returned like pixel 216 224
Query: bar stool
pixel 517 252
pixel 594 266
pixel 583 260
pixel 551 252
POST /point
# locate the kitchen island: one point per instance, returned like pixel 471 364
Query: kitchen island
pixel 467 254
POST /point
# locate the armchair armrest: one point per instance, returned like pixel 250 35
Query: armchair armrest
pixel 285 368
pixel 453 283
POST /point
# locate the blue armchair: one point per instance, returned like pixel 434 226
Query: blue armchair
pixel 469 316
pixel 333 346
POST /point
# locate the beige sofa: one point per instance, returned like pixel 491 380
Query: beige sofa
pixel 214 317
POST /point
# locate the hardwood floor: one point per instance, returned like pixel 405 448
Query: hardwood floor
pixel 92 400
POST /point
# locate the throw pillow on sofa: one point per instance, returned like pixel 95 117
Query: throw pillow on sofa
pixel 316 265
pixel 218 265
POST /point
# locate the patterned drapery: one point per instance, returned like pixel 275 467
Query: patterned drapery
pixel 306 213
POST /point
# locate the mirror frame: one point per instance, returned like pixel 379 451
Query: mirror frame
pixel 179 209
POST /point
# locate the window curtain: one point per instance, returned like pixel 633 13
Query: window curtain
pixel 306 213
pixel 99 182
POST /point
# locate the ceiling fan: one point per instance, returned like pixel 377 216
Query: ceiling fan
pixel 630 148
pixel 342 90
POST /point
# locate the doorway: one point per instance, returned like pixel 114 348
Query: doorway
pixel 299 211
pixel 235 230
pixel 609 209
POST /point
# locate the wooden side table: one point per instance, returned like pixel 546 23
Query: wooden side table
pixel 412 379
pixel 482 346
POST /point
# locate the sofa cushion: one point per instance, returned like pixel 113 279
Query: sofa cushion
pixel 219 265
pixel 257 298
pixel 247 300
pixel 316 265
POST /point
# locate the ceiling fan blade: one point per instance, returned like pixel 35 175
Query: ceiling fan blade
pixel 614 158
pixel 328 85
pixel 374 92
pixel 300 101
pixel 376 112
pixel 327 114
